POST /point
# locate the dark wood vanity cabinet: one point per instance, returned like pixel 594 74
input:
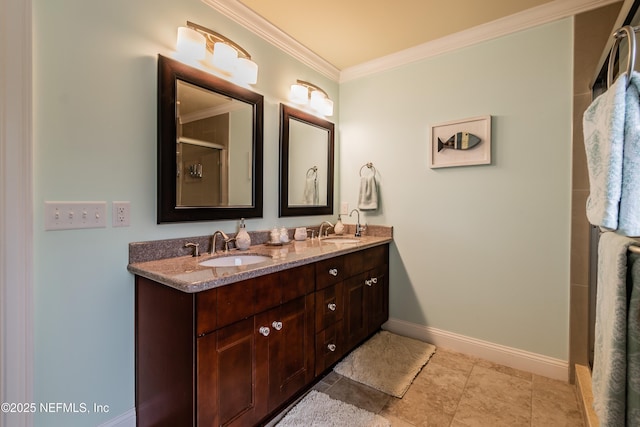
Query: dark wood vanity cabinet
pixel 232 355
pixel 251 367
pixel 352 302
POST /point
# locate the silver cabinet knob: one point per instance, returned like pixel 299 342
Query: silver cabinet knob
pixel 333 271
pixel 331 306
pixel 264 330
pixel 368 282
pixel 276 325
pixel 331 347
pixel 374 280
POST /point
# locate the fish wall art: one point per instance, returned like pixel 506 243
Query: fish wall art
pixel 459 141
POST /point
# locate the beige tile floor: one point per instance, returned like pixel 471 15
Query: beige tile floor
pixel 457 390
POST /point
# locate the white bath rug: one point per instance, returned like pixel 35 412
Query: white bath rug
pixel 387 362
pixel 319 410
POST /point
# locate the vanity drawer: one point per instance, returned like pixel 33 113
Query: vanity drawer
pixel 368 259
pixel 329 306
pixel 222 306
pixel 329 347
pixel 206 311
pixel 225 305
pixel 329 272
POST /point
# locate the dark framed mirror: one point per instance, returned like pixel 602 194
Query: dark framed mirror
pixel 210 146
pixel 306 163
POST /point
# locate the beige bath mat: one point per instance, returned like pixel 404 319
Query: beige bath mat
pixel 387 362
pixel 319 410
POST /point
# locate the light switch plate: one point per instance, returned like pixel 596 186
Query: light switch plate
pixel 71 215
pixel 344 208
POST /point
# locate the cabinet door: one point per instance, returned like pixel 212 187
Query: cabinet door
pixel 290 355
pixel 231 386
pixel 356 322
pixel 377 298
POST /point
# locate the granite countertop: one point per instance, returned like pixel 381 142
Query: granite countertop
pixel 186 274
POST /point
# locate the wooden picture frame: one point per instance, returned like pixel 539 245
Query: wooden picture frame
pixel 449 142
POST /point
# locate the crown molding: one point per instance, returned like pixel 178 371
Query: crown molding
pixel 546 13
pixel 255 23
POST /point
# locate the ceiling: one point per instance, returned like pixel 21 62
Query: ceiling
pixel 347 33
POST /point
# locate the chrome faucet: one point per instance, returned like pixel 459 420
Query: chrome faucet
pixel 359 228
pixel 225 238
pixel 321 225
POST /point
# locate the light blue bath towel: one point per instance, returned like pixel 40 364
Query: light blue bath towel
pixel 633 344
pixel 614 365
pixel 603 127
pixel 629 216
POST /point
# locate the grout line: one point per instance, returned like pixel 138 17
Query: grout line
pixel 462 394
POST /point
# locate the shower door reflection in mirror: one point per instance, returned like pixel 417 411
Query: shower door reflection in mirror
pixel 214 147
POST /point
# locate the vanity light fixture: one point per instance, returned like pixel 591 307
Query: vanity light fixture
pixel 305 93
pixel 227 57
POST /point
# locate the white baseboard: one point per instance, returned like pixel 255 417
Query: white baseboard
pixel 512 357
pixel 128 419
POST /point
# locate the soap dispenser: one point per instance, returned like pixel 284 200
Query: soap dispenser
pixel 339 227
pixel 243 240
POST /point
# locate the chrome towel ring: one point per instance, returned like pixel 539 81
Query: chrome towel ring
pixel 370 166
pixel 629 32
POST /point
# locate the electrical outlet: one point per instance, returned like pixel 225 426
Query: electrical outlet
pixel 344 208
pixel 71 215
pixel 121 214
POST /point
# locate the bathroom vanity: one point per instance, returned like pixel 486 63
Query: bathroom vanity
pixel 235 345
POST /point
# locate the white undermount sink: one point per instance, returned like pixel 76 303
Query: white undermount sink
pixel 234 260
pixel 340 240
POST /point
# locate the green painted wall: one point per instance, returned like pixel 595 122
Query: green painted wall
pixel 95 139
pixel 481 251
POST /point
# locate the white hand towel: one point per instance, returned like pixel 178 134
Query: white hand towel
pixel 629 217
pixel 603 127
pixel 368 198
pixel 311 191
